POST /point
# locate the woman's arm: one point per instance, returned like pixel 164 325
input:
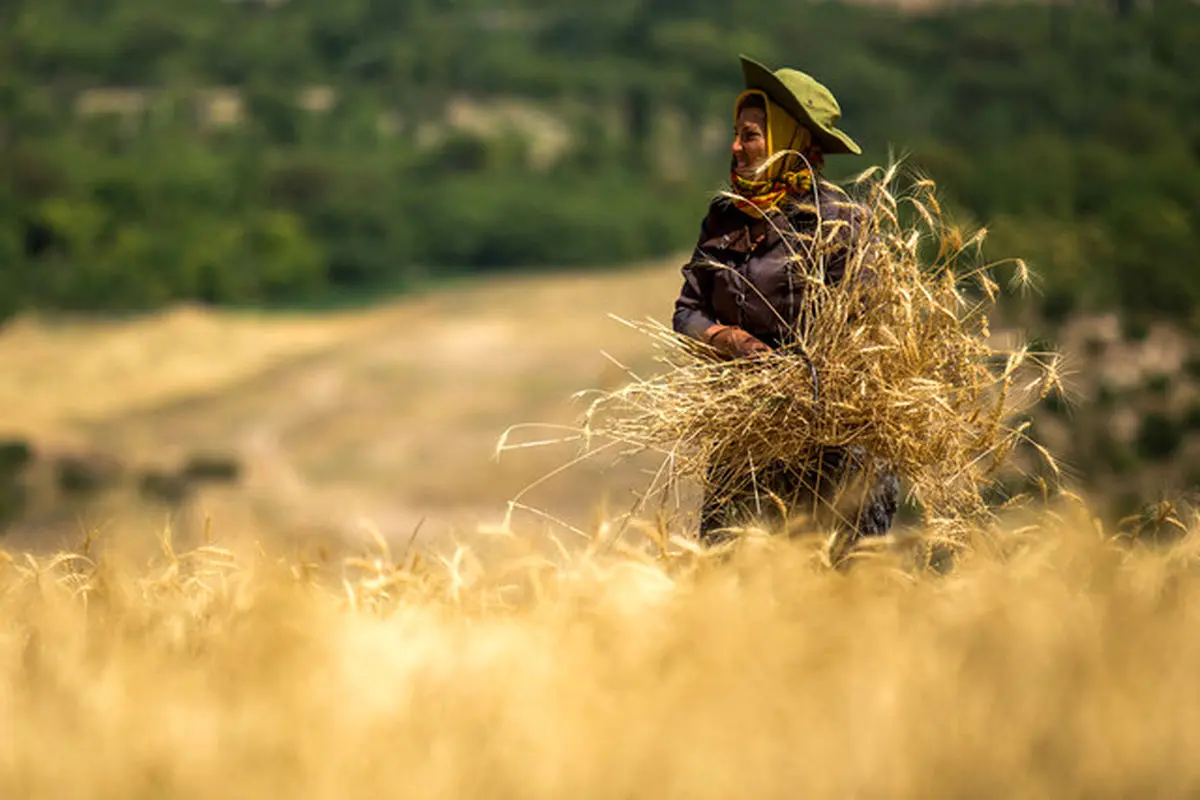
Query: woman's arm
pixel 693 308
pixel 694 311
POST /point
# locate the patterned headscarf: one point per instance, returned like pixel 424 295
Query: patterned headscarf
pixel 785 172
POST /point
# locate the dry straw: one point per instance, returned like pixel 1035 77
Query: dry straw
pixel 895 362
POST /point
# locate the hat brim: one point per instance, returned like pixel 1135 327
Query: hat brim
pixel 759 77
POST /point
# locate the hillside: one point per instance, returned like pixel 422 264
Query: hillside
pixel 238 154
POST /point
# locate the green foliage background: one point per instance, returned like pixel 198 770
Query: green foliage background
pixel 1070 130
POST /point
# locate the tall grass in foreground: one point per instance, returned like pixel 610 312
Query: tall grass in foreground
pixel 1057 662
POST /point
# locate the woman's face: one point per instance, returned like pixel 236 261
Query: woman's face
pixel 750 141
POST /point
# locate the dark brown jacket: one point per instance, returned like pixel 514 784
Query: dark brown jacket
pixel 743 272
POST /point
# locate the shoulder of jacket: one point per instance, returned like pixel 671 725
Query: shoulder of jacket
pixel 835 196
pixel 723 216
pixel 721 206
pixel 830 188
pixel 842 204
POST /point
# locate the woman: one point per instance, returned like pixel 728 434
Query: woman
pixel 739 292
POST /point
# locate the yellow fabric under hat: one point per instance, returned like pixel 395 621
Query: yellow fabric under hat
pixel 784 174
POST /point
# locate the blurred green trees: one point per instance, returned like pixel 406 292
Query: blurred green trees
pixel 249 152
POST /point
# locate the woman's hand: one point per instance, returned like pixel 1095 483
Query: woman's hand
pixel 734 342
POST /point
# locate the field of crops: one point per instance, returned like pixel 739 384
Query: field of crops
pixel 1053 661
pixel 349 618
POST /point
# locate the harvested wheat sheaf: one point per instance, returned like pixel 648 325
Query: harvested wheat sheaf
pixel 894 361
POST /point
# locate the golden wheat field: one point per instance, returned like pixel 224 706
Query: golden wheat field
pixel 349 621
pixel 1051 662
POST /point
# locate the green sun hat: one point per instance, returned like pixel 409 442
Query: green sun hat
pixel 806 100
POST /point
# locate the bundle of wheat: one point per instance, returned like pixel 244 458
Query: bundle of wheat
pixel 894 361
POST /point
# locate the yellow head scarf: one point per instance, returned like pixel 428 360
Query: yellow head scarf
pixel 784 174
